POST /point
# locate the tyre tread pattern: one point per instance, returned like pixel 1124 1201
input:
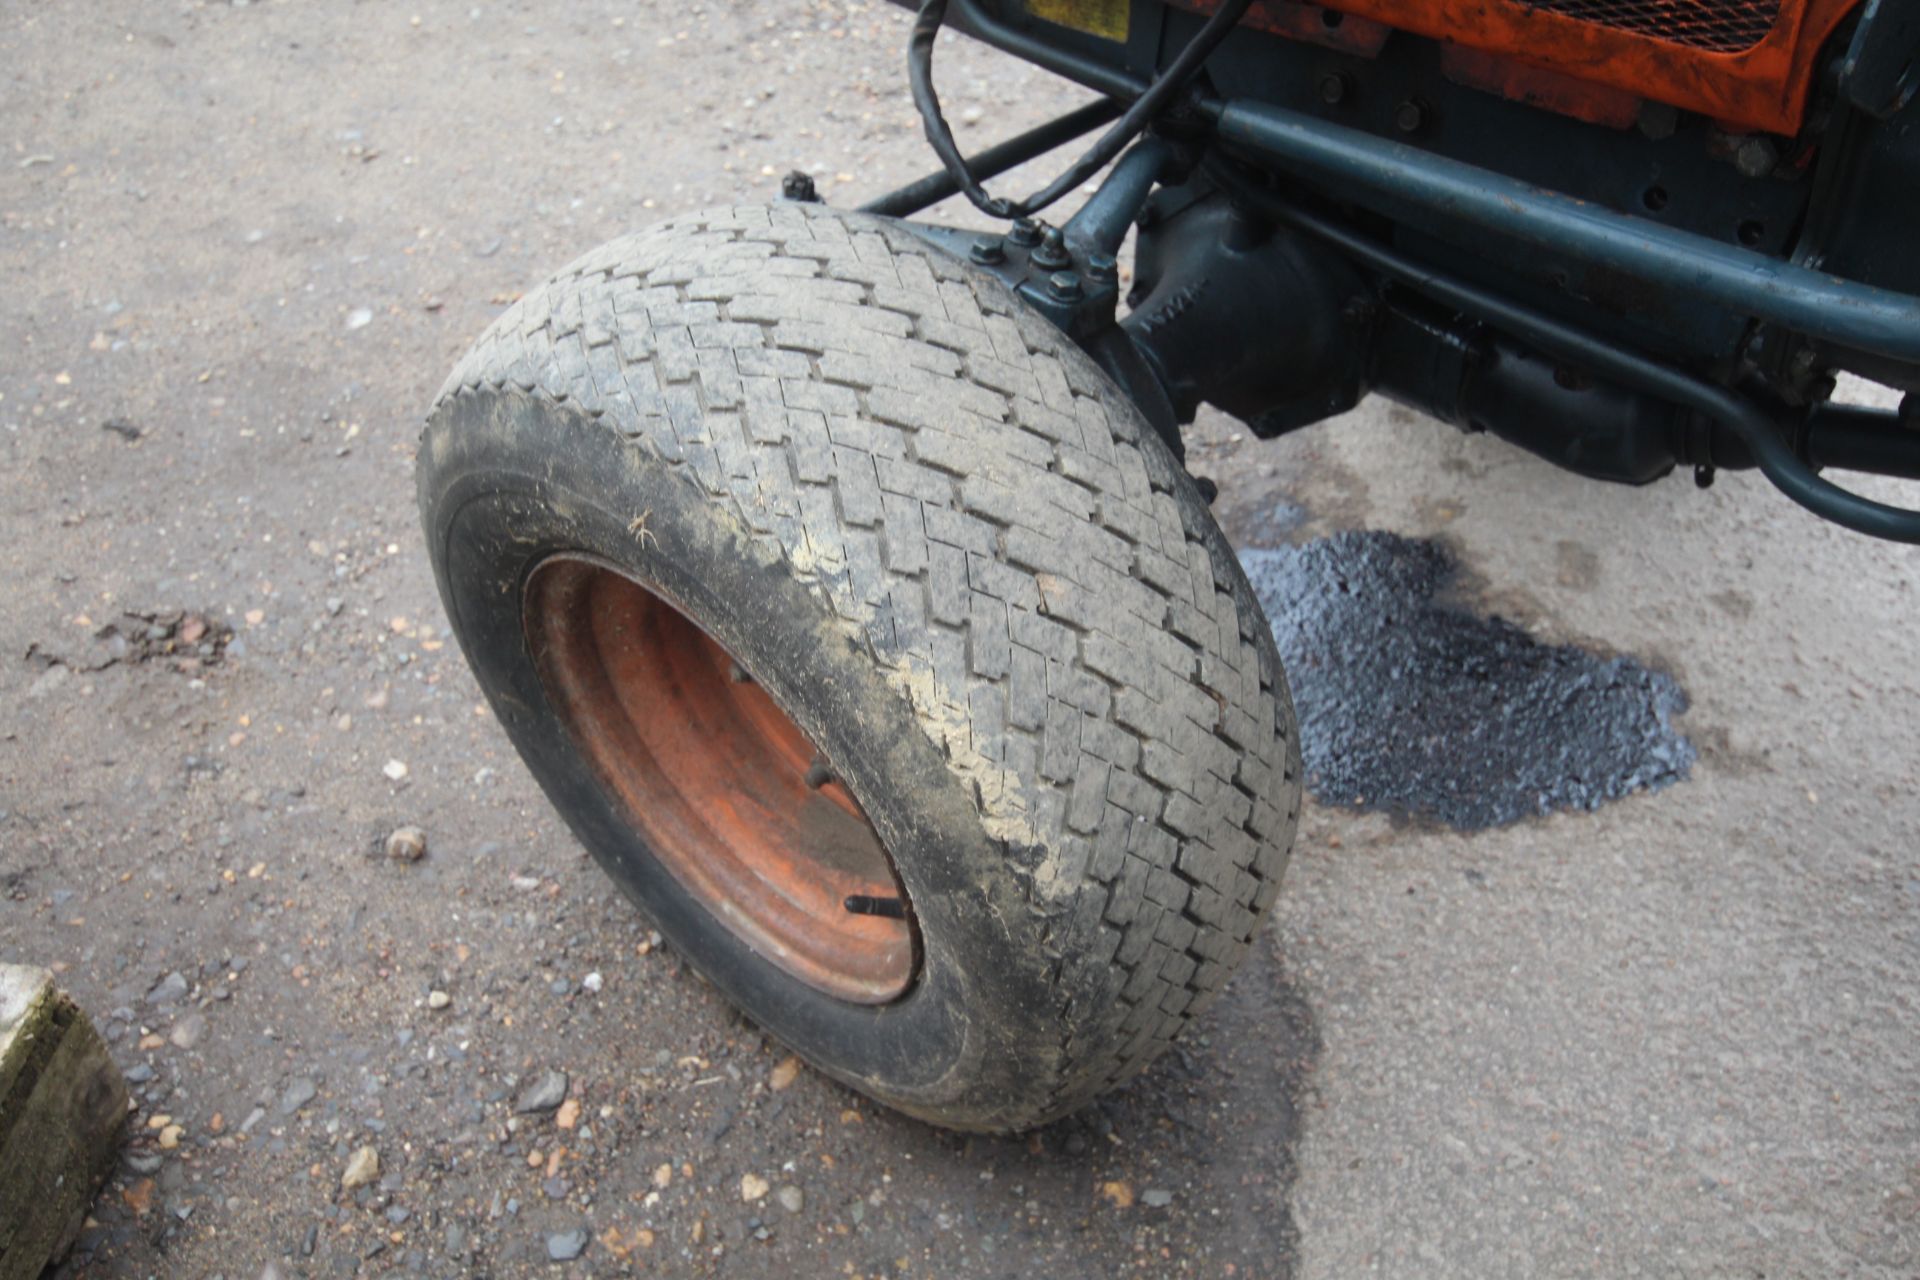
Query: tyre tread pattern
pixel 973 495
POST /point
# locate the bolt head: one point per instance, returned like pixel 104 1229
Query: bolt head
pixel 798 186
pixel 1755 157
pixel 1064 286
pixel 988 251
pixel 1102 267
pixel 1051 254
pixel 1333 88
pixel 1410 116
pixel 1025 233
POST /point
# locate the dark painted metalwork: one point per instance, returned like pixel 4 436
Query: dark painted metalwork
pixel 1101 224
pixel 1592 292
pixel 1409 184
pixel 798 187
pixel 1762 436
pixel 1157 98
pixel 1097 71
pixel 996 160
pixel 1851 438
pixel 1229 310
pixel 1880 70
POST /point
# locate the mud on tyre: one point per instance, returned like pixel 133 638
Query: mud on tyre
pixel 870 640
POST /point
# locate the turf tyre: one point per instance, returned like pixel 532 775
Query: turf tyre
pixel 956 555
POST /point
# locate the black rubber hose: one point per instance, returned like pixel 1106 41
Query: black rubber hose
pixel 926 28
pixel 997 159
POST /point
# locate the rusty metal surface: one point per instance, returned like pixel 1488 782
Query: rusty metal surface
pixel 728 792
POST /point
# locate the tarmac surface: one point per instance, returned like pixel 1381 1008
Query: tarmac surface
pixel 1671 1033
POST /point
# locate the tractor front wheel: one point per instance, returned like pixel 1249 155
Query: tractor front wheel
pixel 874 644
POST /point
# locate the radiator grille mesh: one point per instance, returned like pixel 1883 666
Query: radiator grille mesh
pixel 1718 26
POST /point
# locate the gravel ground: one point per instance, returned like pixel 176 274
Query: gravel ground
pixel 241 245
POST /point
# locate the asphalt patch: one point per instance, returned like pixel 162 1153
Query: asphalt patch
pixel 1413 704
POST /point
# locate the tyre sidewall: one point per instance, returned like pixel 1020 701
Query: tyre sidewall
pixel 508 479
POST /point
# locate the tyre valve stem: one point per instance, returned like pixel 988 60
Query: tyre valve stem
pixel 818 774
pixel 860 904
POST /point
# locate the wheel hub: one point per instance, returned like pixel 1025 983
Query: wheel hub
pixel 730 795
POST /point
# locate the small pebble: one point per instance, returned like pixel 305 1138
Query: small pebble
pixel 791 1198
pixel 169 990
pixel 298 1094
pixel 547 1091
pixel 363 1166
pixel 438 999
pixel 186 1033
pixel 405 844
pixel 565 1246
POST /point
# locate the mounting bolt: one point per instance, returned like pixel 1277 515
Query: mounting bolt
pixel 1658 120
pixel 1052 253
pixel 1063 286
pixel 988 251
pixel 798 186
pixel 1755 157
pixel 1025 233
pixel 1334 86
pixel 1102 269
pixel 1410 116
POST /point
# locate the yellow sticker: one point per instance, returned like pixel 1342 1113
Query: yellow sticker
pixel 1104 18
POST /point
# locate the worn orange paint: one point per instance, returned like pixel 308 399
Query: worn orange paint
pixel 718 779
pixel 1761 88
pixel 1539 87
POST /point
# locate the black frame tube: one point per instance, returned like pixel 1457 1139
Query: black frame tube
pixel 1415 185
pixel 1771 451
pixel 997 159
pixel 1168 82
pixel 1392 176
pixel 1102 222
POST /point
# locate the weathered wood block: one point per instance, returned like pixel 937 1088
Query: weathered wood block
pixel 62 1105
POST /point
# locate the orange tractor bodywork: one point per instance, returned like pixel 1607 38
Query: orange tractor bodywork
pixel 1746 64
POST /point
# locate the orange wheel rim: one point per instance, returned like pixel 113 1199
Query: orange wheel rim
pixel 730 794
